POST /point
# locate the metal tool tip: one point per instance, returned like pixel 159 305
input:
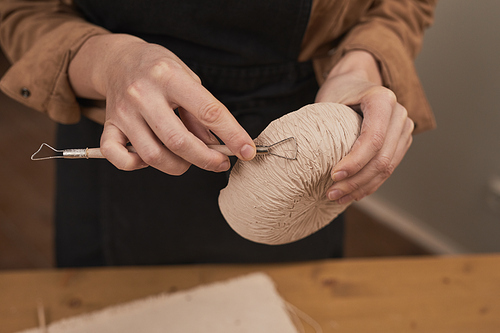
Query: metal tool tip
pixel 35 158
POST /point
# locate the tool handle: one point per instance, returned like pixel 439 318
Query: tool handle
pixel 222 149
pixel 96 152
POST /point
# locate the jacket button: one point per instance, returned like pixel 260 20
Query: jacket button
pixel 25 92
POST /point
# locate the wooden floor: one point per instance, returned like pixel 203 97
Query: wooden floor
pixel 27 192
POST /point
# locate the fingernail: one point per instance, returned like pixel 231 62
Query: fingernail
pixel 339 175
pixel 335 195
pixel 247 152
pixel 224 166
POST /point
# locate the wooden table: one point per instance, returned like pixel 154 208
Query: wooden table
pixel 424 294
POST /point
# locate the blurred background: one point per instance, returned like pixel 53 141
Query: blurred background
pixel 443 199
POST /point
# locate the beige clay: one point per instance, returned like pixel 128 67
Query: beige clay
pixel 273 200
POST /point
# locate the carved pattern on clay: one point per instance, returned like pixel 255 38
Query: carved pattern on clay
pixel 272 200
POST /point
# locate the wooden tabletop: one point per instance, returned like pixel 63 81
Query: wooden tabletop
pixel 423 294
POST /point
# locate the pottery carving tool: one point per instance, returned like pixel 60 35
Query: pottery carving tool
pixel 286 148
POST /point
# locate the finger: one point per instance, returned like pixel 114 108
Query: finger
pixel 212 114
pixel 197 128
pixel 171 131
pixel 113 147
pixel 168 128
pixel 153 152
pixel 377 109
pixel 126 118
pixel 376 182
pixel 382 165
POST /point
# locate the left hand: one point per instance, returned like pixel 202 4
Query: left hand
pixel 386 131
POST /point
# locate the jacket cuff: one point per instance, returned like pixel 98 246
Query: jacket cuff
pixel 40 78
pixel 396 67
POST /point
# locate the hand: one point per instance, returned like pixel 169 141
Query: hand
pixel 143 84
pixel 385 132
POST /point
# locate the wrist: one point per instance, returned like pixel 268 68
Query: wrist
pixel 89 68
pixel 360 63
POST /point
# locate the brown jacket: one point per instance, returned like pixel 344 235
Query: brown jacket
pixel 41 37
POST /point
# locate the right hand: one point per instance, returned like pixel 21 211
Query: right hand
pixel 143 84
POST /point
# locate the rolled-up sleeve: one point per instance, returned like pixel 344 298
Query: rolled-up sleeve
pixel 40 38
pixel 392 31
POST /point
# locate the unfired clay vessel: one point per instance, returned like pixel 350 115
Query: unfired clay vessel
pixel 273 200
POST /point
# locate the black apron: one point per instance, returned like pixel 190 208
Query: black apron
pixel 245 54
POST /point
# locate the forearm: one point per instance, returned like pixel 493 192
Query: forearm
pixel 391 31
pixel 359 63
pixel 358 69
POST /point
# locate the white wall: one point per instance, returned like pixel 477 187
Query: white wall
pixel 443 181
